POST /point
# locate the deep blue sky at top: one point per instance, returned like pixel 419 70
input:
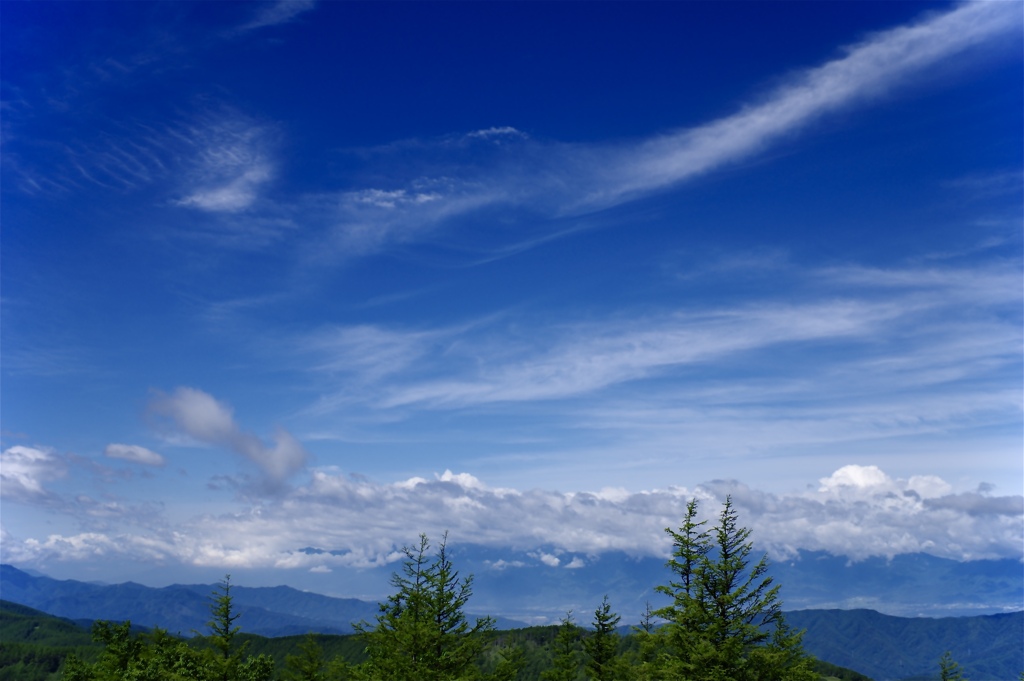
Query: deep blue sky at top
pixel 429 236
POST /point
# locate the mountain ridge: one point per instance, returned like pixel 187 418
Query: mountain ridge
pixel 885 647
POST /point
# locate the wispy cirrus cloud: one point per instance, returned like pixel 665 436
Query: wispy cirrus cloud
pixel 231 161
pixel 930 320
pixel 276 13
pixel 842 361
pixel 533 180
pixel 216 161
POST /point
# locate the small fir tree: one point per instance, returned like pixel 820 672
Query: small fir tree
pixel 949 670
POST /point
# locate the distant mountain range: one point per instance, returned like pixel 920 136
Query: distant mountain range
pixel 884 647
pixel 910 585
pixel 185 608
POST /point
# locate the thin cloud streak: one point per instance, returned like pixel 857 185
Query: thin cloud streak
pixel 544 181
pixel 938 325
pixel 850 361
pixel 871 68
pixel 276 13
pixel 134 454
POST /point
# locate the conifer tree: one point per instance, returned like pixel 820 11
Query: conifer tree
pixel 725 620
pixel 949 670
pixel 642 662
pixel 565 663
pixel 422 632
pixel 602 646
pixel 229 662
pixel 223 617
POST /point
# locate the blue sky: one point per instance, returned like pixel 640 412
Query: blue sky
pixel 280 275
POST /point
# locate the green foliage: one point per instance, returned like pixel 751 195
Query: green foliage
pixel 565 662
pixel 602 646
pixel 157 656
pixel 422 632
pixel 226 661
pixel 309 665
pixel 949 670
pixel 831 672
pixel 725 620
pixel 223 617
pixel 34 645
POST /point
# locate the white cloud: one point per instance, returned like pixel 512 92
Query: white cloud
pixel 200 416
pixel 548 559
pixel 857 478
pixel 859 512
pixel 24 470
pixel 134 453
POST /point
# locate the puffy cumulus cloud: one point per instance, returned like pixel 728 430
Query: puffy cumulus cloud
pixel 860 511
pixel 92 545
pixel 203 418
pixel 356 522
pixel 548 559
pixel 134 453
pixel 24 470
pixel 340 521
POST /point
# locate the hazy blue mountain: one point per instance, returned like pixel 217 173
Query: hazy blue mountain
pixel 886 648
pixel 185 608
pixel 521 586
pixel 177 608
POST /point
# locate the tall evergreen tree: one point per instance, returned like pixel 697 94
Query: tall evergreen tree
pixel 725 621
pixel 223 617
pixel 229 662
pixel 422 632
pixel 602 646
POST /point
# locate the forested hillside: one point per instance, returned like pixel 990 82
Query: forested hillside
pixel 884 647
pixel 33 646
